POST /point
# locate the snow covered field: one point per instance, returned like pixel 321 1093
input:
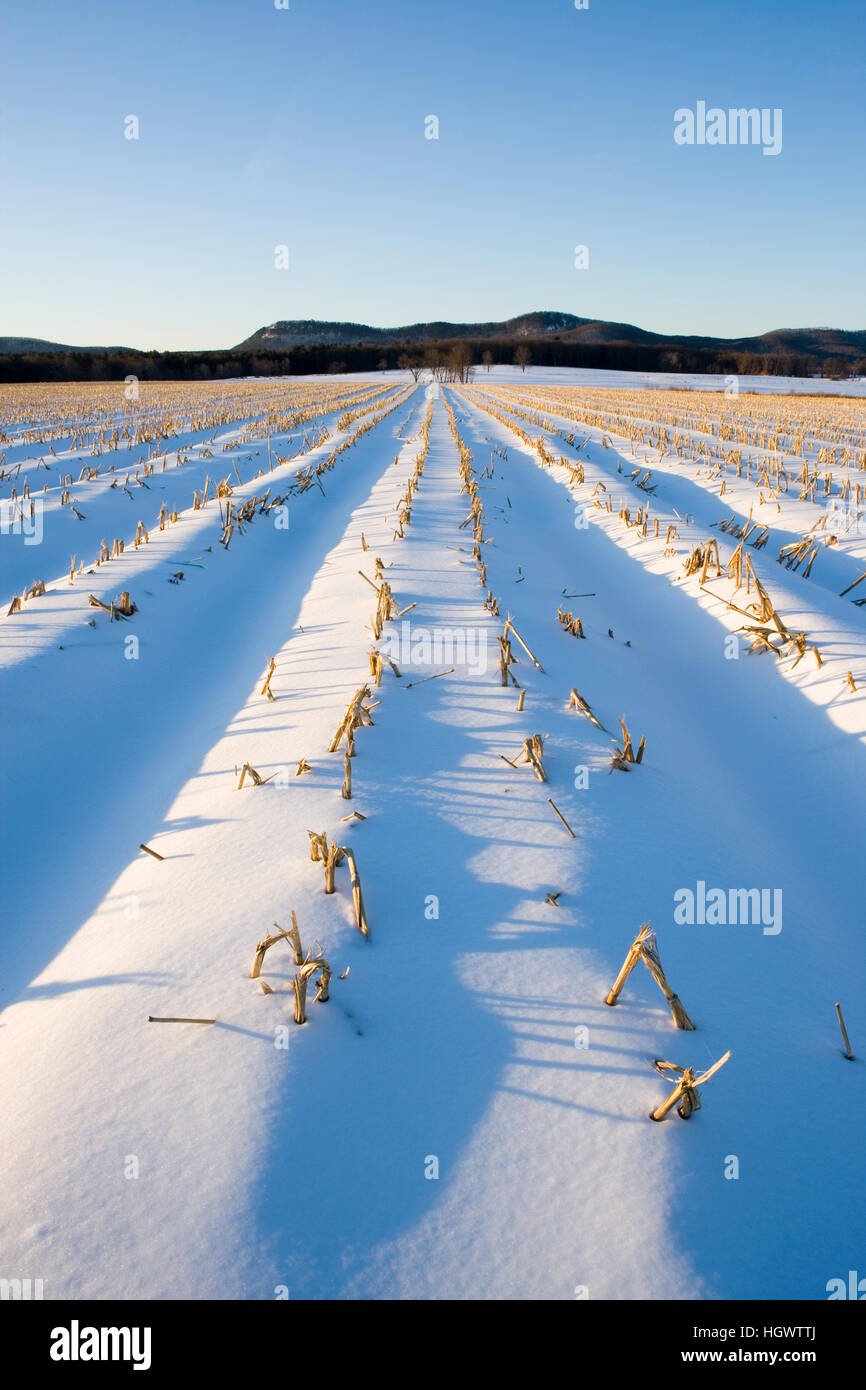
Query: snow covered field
pixel 464 1117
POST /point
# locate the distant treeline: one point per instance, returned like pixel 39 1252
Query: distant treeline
pixel 302 361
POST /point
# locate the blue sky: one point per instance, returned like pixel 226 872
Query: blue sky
pixel 305 127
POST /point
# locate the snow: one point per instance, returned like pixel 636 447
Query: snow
pixel 672 381
pixel 263 1168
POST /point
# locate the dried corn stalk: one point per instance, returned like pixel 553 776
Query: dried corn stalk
pixel 509 627
pixel 506 659
pixel 257 779
pixel 570 623
pixel 385 609
pixel 357 895
pixel 355 717
pixel 532 750
pixel 266 688
pixel 312 966
pixel 577 702
pixel 376 666
pixel 685 1085
pixel 264 946
pixel 327 852
pixel 625 755
pixel 700 559
pixel 645 948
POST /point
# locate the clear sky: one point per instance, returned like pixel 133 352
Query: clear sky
pixel 305 127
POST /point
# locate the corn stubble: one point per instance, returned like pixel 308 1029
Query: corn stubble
pixel 645 948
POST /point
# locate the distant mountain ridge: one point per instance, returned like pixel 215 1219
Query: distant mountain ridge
pixel 289 333
pixel 547 324
pixel 303 332
pixel 43 345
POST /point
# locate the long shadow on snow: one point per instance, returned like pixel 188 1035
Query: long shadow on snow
pixel 86 789
pixel 371 1182
pixel 739 797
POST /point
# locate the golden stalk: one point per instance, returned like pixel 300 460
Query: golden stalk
pixel 628 965
pixel 562 818
pixel 532 748
pixel 152 1018
pixel 266 688
pixel 449 672
pixel 579 703
pixel 294 935
pixel 357 895
pixel 685 1089
pixel 333 856
pixel 645 948
pixel 263 947
pixel 509 626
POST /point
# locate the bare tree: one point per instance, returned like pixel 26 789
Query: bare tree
pixel 836 368
pixel 459 364
pixel 522 357
pixel 487 358
pixel 436 363
pixel 410 364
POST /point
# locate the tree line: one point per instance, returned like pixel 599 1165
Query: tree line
pixel 446 359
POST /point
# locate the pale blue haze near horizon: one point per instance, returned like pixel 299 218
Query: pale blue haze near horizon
pixel 306 127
